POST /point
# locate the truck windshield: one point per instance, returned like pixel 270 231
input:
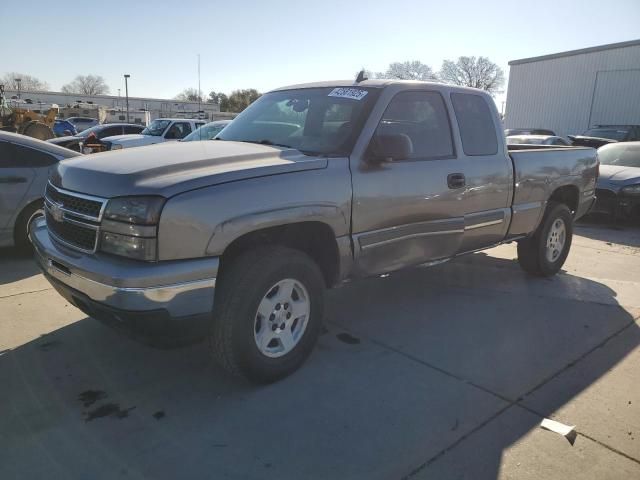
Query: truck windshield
pixel 156 128
pixel 316 121
pixel 612 133
pixel 622 154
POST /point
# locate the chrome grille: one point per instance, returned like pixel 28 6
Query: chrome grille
pixel 77 203
pixel 73 218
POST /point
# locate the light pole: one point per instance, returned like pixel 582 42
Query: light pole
pixel 18 81
pixel 126 92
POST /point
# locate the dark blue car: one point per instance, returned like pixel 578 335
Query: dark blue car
pixel 62 128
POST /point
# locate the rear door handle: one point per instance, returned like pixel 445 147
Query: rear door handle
pixel 456 180
pixel 13 180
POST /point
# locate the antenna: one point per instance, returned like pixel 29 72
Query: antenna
pixel 362 76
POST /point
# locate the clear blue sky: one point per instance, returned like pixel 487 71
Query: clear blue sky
pixel 265 44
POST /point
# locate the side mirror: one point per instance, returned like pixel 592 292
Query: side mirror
pixel 391 147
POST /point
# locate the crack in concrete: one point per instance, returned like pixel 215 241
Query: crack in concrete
pixel 25 293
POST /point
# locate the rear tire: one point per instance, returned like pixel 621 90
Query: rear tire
pixel 26 217
pixel 544 253
pixel 248 306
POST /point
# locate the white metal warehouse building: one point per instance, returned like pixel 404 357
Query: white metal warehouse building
pixel 571 91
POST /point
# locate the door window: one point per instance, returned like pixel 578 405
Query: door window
pixel 132 129
pixel 178 130
pixel 17 156
pixel 475 123
pixel 421 116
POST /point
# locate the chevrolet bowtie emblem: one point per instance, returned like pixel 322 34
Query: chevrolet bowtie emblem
pixel 56 212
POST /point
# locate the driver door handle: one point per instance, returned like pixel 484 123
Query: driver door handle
pixel 456 180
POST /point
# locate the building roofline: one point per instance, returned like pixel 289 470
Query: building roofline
pixel 599 48
pixel 110 97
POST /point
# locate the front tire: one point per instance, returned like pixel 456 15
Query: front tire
pixel 544 253
pixel 268 312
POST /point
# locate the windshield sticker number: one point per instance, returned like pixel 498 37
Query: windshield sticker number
pixel 352 93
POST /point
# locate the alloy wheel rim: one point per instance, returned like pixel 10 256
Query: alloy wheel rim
pixel 281 318
pixel 555 240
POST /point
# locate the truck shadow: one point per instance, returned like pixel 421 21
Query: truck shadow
pixel 408 367
pixel 601 227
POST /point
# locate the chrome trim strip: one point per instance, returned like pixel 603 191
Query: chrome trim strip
pixel 406 237
pixel 81 224
pixel 483 224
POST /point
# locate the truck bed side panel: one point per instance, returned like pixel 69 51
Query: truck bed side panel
pixel 539 172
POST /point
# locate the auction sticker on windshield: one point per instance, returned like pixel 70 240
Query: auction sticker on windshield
pixel 352 93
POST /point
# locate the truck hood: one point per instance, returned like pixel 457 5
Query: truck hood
pixel 134 139
pixel 618 175
pixel 175 167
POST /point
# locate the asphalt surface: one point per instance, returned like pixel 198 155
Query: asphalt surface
pixel 442 372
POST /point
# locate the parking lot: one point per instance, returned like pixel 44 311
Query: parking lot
pixel 440 373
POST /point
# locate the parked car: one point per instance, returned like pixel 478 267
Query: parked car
pixel 63 128
pixel 310 186
pixel 604 134
pixel 159 131
pixel 76 142
pixel 537 140
pixel 207 131
pixel 24 168
pixel 528 131
pixel 82 123
pixel 618 188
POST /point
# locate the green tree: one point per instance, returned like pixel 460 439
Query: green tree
pixel 238 100
pixel 190 95
pixel 220 98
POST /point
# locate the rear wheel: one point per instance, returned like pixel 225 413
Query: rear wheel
pixel 546 250
pixel 267 314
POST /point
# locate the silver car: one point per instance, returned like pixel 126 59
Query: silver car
pixel 24 168
pixel 207 131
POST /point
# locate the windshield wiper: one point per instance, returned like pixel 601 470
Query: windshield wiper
pixel 267 142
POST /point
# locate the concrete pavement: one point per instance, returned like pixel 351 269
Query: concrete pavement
pixel 437 373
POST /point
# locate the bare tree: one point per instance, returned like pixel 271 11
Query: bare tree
pixel 190 95
pixel 473 72
pixel 87 85
pixel 27 82
pixel 413 70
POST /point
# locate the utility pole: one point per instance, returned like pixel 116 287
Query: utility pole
pixel 126 92
pixel 199 91
pixel 18 81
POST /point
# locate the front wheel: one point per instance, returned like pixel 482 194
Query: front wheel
pixel 267 314
pixel 545 252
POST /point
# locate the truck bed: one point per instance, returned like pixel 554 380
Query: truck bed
pixel 539 170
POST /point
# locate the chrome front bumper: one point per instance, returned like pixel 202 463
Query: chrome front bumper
pixel 181 288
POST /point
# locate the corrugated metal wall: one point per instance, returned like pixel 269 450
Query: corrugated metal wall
pixel 568 94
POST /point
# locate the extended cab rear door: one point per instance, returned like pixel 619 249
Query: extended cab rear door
pixel 487 169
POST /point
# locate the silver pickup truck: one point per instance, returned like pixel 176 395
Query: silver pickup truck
pixel 237 238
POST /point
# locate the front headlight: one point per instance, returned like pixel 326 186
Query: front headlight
pixel 139 248
pixel 631 189
pixel 117 146
pixel 129 227
pixel 138 210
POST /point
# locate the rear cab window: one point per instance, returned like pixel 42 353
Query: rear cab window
pixel 475 123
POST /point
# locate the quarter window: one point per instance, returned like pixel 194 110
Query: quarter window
pixel 475 123
pixel 422 116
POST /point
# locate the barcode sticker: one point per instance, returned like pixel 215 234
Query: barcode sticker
pixel 352 93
